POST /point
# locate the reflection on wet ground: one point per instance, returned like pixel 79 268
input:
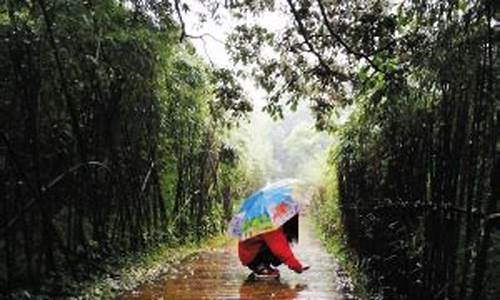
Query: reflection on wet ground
pixel 218 274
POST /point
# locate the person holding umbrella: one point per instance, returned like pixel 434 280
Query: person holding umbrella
pixel 266 224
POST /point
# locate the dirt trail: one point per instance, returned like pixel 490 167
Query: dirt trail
pixel 218 274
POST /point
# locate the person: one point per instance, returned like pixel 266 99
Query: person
pixel 264 252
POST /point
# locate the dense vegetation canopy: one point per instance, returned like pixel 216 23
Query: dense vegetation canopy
pixel 115 135
pixel 112 138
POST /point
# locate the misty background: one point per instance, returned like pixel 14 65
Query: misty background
pixel 287 148
pixel 273 149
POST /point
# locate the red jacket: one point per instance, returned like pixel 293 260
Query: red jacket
pixel 277 243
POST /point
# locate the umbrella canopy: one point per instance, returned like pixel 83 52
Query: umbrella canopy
pixel 266 210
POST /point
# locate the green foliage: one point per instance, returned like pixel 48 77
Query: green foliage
pixel 199 167
pixel 289 148
pixel 116 136
pixel 401 164
pixel 328 218
pixel 307 152
pixel 230 103
pixel 122 143
pixel 251 140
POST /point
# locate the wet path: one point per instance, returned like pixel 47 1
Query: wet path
pixel 218 274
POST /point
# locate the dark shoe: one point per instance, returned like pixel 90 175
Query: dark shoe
pixel 268 272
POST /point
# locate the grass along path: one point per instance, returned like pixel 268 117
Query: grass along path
pixel 139 270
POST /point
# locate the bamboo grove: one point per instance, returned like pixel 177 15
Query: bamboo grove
pixel 111 132
pixel 111 138
pixel 418 164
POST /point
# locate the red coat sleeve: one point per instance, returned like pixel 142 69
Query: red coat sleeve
pixel 278 244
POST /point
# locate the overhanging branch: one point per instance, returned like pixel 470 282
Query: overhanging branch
pixel 348 48
pixel 303 32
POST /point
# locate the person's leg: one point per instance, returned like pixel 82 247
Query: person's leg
pixel 263 261
pixel 258 263
pixel 256 266
pixel 269 258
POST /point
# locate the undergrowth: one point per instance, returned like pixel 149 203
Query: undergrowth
pixel 328 226
pixel 125 274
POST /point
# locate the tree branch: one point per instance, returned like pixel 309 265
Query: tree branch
pixel 302 30
pixel 37 198
pixel 202 36
pixel 184 34
pixel 348 48
pixel 181 20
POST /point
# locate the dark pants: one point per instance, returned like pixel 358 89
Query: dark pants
pixel 264 258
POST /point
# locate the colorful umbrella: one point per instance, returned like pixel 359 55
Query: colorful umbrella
pixel 266 210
